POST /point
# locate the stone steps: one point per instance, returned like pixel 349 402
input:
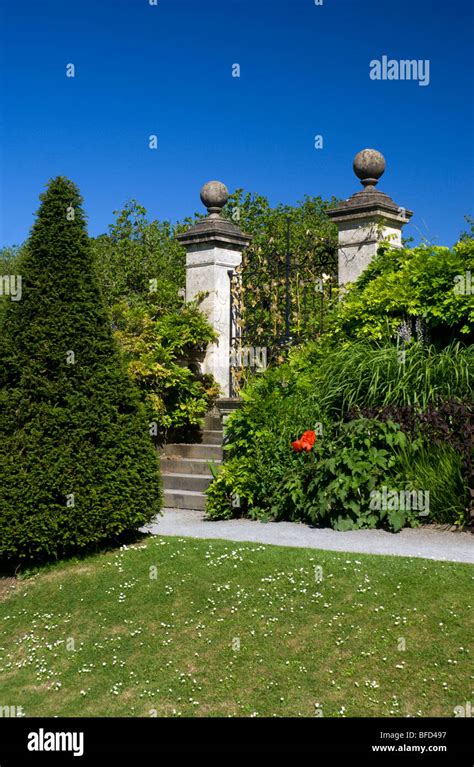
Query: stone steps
pixel 185 467
pixel 198 450
pixel 211 437
pixel 172 465
pixel 184 499
pixel 195 482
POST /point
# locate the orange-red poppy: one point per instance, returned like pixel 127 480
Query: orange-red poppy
pixel 306 442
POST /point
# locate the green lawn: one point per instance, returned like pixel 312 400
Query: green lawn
pixel 238 630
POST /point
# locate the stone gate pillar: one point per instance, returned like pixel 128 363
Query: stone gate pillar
pixel 214 248
pixel 366 219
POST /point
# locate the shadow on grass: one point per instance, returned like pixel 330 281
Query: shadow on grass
pixel 20 570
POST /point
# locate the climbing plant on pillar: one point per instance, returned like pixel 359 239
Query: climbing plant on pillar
pixel 78 466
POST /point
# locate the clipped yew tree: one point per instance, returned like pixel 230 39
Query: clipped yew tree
pixel 77 464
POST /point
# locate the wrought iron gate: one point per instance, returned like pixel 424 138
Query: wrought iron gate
pixel 275 307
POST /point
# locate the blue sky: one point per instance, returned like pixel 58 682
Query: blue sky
pixel 167 70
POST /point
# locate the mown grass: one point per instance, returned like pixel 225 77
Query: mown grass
pixel 238 630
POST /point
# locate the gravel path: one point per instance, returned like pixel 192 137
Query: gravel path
pixel 425 542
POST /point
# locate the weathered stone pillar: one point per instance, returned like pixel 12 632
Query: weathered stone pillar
pixel 366 219
pixel 214 248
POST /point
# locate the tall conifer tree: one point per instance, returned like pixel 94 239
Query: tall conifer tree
pixel 77 463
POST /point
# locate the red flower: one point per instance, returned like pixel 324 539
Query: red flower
pixel 306 442
pixel 308 438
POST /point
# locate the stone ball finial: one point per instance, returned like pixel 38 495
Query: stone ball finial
pixel 369 165
pixel 214 196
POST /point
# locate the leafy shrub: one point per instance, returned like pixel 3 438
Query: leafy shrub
pixel 448 423
pixel 401 284
pixel 78 466
pixel 135 252
pixel 331 485
pixel 158 348
pixel 258 438
pixel 336 489
pixel 232 490
pixel 140 266
pixel 327 385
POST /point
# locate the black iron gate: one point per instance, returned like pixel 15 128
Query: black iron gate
pixel 279 298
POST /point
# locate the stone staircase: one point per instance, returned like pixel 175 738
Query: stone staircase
pixel 185 468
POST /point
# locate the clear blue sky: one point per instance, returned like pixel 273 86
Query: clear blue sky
pixel 167 70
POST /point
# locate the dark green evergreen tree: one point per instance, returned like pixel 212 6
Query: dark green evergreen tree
pixel 76 459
